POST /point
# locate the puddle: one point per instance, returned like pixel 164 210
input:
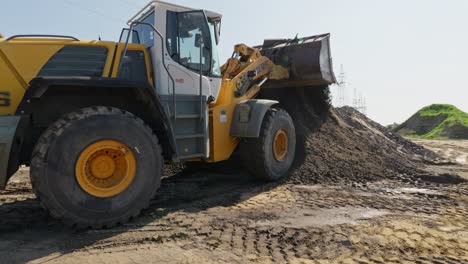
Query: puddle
pixel 303 218
pixel 463 159
pixel 418 191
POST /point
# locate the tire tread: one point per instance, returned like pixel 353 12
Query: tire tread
pixel 254 150
pixel 39 160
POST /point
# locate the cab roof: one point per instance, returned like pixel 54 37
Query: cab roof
pixel 155 3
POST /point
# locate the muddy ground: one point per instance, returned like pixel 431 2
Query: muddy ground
pixel 454 150
pixel 358 195
pixel 228 218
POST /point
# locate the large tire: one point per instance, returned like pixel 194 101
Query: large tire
pixel 258 154
pixel 53 167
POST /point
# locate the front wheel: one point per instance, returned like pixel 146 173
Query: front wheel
pixel 96 167
pixel 271 156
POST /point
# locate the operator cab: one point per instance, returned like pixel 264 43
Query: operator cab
pixel 183 44
pixel 188 55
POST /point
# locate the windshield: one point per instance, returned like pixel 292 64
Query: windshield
pixel 216 67
pixel 188 40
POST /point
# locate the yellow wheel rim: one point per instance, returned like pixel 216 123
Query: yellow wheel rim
pixel 105 168
pixel 280 145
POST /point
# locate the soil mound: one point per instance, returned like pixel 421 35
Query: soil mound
pixel 343 145
pixel 348 146
pixel 436 121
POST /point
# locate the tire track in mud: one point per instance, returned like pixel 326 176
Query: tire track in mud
pixel 423 222
pixel 234 228
pixel 369 214
pixel 311 243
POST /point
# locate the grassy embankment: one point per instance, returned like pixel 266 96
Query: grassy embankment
pixel 437 121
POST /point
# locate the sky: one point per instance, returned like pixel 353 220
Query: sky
pixel 401 55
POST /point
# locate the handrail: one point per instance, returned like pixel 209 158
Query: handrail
pixel 154 3
pixel 41 36
pixel 163 48
pixel 201 80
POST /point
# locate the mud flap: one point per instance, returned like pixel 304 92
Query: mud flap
pixel 8 125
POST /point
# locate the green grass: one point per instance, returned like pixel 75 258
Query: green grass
pixel 454 116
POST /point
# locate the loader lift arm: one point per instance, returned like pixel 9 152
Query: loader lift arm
pixel 242 57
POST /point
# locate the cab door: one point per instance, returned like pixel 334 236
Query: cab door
pixel 192 54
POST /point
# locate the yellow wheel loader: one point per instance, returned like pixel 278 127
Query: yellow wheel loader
pixel 96 121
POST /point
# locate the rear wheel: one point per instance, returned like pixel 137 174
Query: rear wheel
pixel 97 167
pixel 271 156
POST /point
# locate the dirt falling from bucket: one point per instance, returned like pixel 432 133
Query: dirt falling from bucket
pixel 343 145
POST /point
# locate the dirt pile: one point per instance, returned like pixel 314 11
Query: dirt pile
pixel 343 145
pixel 349 147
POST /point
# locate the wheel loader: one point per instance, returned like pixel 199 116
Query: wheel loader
pixel 96 121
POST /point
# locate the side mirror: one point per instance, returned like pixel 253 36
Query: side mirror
pixel 198 40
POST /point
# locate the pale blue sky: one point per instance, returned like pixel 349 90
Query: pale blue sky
pixel 401 54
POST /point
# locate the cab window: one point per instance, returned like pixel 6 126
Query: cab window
pixel 145 33
pixel 188 36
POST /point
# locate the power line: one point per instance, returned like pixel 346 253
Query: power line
pixel 129 3
pixel 95 12
pixel 358 101
pixel 341 87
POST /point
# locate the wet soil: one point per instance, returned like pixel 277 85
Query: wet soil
pixel 213 218
pixel 359 195
pixel 456 152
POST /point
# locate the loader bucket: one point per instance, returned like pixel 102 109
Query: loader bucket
pixel 308 60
